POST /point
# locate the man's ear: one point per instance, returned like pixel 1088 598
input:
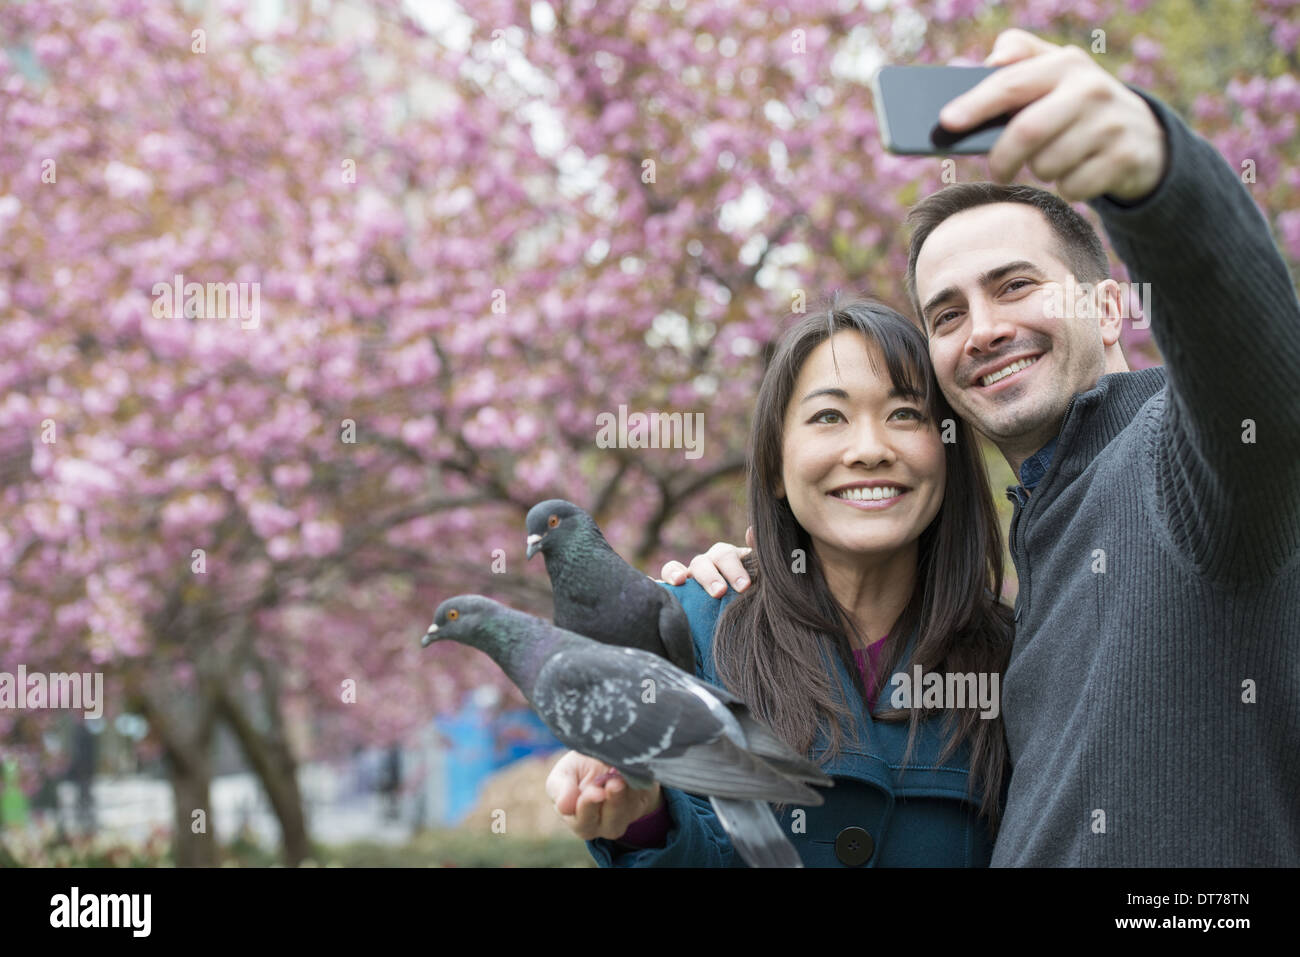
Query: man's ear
pixel 1110 310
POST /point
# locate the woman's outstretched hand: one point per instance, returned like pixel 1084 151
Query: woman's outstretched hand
pixel 594 800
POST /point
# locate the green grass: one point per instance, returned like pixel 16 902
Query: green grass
pixel 440 848
pixel 450 848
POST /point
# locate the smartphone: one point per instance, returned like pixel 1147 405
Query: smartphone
pixel 908 101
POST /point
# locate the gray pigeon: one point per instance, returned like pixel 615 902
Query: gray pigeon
pixel 599 595
pixel 646 718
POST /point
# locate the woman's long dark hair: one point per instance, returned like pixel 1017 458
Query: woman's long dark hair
pixel 768 641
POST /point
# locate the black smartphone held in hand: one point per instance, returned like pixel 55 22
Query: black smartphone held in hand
pixel 908 101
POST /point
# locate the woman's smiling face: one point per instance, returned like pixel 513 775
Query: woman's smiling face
pixel 862 465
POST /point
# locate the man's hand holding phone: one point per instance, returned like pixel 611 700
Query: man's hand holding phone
pixel 1071 122
pixel 1077 126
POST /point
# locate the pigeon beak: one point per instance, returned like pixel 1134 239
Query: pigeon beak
pixel 534 543
pixel 429 638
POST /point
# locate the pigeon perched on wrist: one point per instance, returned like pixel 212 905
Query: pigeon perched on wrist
pixel 646 718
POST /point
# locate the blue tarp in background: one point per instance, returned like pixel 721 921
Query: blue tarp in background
pixel 480 742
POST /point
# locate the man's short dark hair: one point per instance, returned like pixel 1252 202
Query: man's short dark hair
pixel 1080 247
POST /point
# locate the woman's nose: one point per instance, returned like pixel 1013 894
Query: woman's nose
pixel 869 446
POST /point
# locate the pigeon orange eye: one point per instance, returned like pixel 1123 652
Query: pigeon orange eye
pixel 453 615
pixel 553 521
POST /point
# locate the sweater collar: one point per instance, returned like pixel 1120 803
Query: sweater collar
pixel 1032 471
pixel 1094 418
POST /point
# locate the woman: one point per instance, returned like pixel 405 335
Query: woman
pixel 877 551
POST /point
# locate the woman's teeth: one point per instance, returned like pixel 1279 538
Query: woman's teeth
pixel 1015 367
pixel 868 494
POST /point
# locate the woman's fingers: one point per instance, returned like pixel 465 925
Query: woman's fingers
pixel 589 812
pixel 578 800
pixel 604 810
pixel 674 573
pixel 564 783
pixel 715 569
pixel 720 566
pixel 594 810
pixel 614 811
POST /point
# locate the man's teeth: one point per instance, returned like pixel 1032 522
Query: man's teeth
pixel 869 494
pixel 1016 366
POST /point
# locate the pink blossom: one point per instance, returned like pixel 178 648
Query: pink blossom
pixel 320 538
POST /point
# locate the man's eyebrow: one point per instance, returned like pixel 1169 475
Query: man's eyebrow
pixel 994 275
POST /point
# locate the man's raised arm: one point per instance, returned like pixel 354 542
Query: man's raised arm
pixel 1224 309
pixel 1227 320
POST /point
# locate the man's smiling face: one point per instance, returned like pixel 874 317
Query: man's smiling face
pixel 1005 360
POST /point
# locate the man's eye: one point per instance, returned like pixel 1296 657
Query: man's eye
pixel 1015 284
pixel 820 416
pixel 942 318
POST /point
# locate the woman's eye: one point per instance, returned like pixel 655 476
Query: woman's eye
pixel 821 416
pixel 910 413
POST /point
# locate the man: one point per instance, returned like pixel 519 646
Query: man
pixel 1152 701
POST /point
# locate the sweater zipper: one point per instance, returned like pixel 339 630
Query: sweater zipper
pixel 1022 586
pixel 1018 531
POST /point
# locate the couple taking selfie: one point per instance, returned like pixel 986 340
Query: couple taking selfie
pixel 1146 686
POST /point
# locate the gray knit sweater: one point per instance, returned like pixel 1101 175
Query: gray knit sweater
pixel 1152 702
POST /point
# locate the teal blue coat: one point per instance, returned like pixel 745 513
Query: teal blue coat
pixel 922 817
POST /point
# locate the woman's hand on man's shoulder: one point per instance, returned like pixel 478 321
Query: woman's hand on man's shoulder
pixel 717 568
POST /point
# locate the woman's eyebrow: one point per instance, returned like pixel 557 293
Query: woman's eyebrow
pixel 833 393
pixel 894 393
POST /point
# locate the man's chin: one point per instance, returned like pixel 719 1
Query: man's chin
pixel 1010 423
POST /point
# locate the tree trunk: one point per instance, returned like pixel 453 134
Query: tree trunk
pixel 273 762
pixel 189 764
pixel 191 784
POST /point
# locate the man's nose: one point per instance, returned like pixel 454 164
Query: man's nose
pixel 989 329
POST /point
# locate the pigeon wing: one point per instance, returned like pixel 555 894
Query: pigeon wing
pixel 638 713
pixel 760 739
pixel 675 631
pixel 621 705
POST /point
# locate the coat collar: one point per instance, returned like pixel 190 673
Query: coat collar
pixel 872 751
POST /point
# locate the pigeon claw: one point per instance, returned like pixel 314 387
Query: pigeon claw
pixel 607 776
